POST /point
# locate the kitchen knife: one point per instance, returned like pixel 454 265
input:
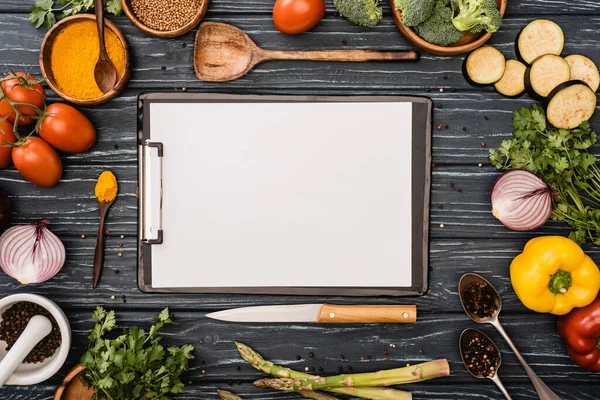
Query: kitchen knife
pixel 321 313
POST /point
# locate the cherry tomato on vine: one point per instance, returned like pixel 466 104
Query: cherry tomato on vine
pixel 297 16
pixel 38 162
pixel 67 129
pixel 6 136
pixel 25 90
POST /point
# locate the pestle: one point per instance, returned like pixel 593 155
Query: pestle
pixel 37 328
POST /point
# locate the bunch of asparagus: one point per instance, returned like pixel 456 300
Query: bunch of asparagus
pixel 367 385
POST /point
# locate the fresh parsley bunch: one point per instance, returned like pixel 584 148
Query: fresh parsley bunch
pixel 562 159
pixel 134 365
pixel 43 12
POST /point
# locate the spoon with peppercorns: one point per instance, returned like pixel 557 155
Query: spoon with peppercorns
pixel 481 357
pixel 482 304
pixel 37 328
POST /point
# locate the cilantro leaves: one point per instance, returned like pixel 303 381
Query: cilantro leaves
pixel 133 365
pixel 562 159
pixel 44 12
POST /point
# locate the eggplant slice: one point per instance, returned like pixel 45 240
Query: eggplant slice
pixel 546 73
pixel 584 69
pixel 538 38
pixel 512 83
pixel 571 104
pixel 484 66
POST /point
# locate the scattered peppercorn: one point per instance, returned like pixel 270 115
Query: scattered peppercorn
pixel 112 297
pixel 433 165
pixel 298 358
pixel 385 352
pixel 121 244
pixel 108 231
pixel 464 128
pixel 445 76
pixel 446 126
pixel 342 356
pixel 439 127
pixel 14 321
pixel 481 356
pixel 420 350
pixel 120 254
pixel 483 144
pixel 122 236
pixel 452 185
pixel 339 369
pixel 83 236
pixel 237 367
pixel 368 357
pixel 486 118
pixel 362 358
pixel 183 44
pixel 441 90
pixel 480 165
pixel 427 90
pixel 116 146
pixel 184 89
pixel 311 355
pixel 439 105
pixel 189 382
pixel 320 369
pixel 459 190
pixel 344 42
pixel 116 271
pixel 440 206
pixel 442 226
pixel 163 68
pixel 480 299
pixel 453 90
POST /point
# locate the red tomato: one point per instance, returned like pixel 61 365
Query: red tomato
pixel 297 16
pixel 67 129
pixel 38 162
pixel 33 94
pixel 6 136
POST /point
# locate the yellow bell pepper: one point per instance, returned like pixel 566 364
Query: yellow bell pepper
pixel 554 275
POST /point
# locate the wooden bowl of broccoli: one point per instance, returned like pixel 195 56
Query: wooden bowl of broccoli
pixel 448 27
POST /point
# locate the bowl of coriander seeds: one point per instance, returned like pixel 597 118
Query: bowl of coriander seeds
pixel 165 18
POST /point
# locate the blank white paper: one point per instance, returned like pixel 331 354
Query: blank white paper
pixel 284 194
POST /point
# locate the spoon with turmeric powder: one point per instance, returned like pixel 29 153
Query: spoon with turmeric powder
pixel 105 72
pixel 106 192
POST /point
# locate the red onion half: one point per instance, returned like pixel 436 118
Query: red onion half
pixel 521 200
pixel 31 253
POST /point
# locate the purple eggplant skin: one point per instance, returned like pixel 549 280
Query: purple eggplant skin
pixel 4 211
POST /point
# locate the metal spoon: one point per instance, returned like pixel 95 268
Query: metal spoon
pixel 465 338
pixel 105 72
pixel 543 391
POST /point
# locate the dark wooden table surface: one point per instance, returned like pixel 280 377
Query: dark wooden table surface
pixel 470 240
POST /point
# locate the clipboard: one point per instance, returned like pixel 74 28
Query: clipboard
pixel 291 195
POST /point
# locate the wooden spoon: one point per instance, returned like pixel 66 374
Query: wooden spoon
pixel 225 53
pixel 105 72
pixel 99 255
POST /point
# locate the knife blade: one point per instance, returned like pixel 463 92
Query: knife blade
pixel 321 313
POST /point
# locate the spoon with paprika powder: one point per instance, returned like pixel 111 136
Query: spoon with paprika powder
pixel 106 192
pixel 482 304
pixel 481 357
pixel 105 72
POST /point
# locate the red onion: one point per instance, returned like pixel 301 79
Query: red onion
pixel 521 200
pixel 31 253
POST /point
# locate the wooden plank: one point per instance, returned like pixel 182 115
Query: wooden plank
pixel 431 338
pixel 449 260
pixel 476 389
pixel 22 40
pixel 532 7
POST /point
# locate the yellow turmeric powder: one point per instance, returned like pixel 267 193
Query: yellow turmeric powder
pixel 106 187
pixel 74 55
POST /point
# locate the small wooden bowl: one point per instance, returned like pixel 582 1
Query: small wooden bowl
pixel 46 66
pixel 469 42
pixel 128 9
pixel 71 387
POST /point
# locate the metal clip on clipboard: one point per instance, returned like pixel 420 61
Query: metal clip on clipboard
pixel 152 193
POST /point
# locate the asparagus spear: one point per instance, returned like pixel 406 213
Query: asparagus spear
pixel 225 395
pixel 258 362
pixel 398 376
pixel 309 394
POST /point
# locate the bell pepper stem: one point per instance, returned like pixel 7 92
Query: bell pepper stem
pixel 560 282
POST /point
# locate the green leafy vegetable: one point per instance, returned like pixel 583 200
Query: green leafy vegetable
pixel 439 29
pixel 476 15
pixel 415 12
pixel 46 12
pixel 562 159
pixel 360 12
pixel 133 365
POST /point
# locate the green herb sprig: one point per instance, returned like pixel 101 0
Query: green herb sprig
pixel 45 12
pixel 134 365
pixel 562 159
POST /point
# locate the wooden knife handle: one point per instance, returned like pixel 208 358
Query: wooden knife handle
pixel 333 314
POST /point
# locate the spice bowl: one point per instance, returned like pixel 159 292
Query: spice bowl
pixel 199 9
pixel 46 60
pixel 33 373
pixel 469 42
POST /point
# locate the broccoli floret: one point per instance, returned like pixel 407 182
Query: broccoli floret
pixel 476 15
pixel 439 28
pixel 360 12
pixel 415 12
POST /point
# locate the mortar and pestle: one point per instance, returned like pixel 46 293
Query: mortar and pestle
pixel 12 369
